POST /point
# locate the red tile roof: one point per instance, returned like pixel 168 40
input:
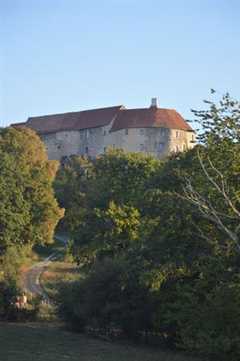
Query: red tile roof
pixel 73 121
pixel 123 118
pixel 150 117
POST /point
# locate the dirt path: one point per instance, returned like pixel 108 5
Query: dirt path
pixel 31 277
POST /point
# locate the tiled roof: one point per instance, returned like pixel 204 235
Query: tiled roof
pixel 18 124
pixel 150 117
pixel 123 119
pixel 73 121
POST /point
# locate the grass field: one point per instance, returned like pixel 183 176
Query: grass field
pixel 43 342
pixel 58 272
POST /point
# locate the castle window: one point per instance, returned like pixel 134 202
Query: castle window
pixel 160 147
pixel 126 131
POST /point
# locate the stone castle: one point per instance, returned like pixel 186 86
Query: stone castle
pixel 155 131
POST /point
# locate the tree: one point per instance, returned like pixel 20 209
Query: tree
pixel 28 210
pixel 218 200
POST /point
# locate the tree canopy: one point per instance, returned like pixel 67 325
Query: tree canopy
pixel 29 211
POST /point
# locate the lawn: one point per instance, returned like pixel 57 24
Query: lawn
pixel 47 342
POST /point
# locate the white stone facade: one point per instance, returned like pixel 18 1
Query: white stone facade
pixel 158 142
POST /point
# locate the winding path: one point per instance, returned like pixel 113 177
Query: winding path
pixel 31 278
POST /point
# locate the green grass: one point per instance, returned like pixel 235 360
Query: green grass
pixel 46 342
pixel 57 273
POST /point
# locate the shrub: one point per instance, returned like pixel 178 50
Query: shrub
pixel 109 297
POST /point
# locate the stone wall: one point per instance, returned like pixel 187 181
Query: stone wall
pixel 62 144
pixel 158 142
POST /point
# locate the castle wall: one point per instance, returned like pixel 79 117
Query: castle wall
pixel 60 144
pixel 158 142
pixel 180 140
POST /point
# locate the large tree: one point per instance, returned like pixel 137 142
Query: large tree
pixel 28 210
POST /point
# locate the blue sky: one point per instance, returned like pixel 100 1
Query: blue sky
pixel 70 55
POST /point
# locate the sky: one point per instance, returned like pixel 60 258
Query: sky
pixel 69 55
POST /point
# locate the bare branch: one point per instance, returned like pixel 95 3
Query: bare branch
pixel 221 190
pixel 208 211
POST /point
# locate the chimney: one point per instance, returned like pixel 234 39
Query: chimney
pixel 154 103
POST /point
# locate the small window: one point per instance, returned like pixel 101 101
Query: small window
pixel 126 131
pixel 160 147
pixel 177 134
pixel 162 130
pixel 193 138
pixel 142 147
pixel 104 149
pixel 104 132
pixel 141 131
pixel 86 150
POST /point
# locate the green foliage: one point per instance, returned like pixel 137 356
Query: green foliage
pixel 111 296
pixel 8 292
pixel 11 261
pixel 28 209
pixel 172 232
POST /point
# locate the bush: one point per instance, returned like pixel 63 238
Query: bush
pixel 212 327
pixel 45 312
pixel 109 297
pixel 7 294
pixel 71 307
